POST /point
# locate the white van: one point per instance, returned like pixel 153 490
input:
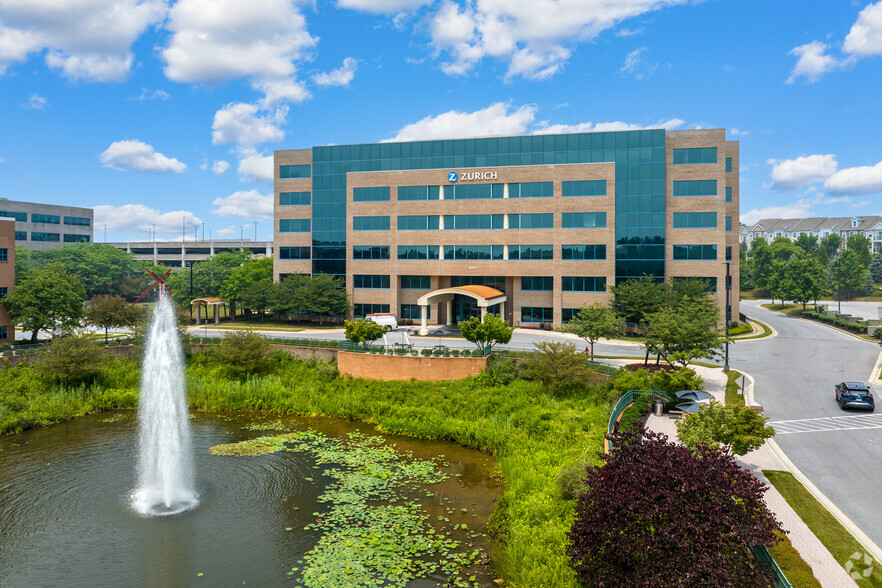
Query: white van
pixel 386 319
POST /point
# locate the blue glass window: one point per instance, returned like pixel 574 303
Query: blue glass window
pixel 370 223
pixel 537 283
pixel 584 188
pixel 497 282
pixel 473 191
pixel 4 290
pixel 4 332
pixel 418 192
pixel 376 194
pixel 295 171
pixel 294 198
pixel 537 314
pixel 695 155
pixel 543 220
pixel 417 252
pixel 695 188
pixel 531 190
pixel 728 223
pixel 583 252
pixel 418 223
pixel 416 282
pixel 473 221
pixel 583 284
pixel 728 253
pixel 21 235
pixel 531 252
pixel 371 281
pixel 695 220
pixel 77 221
pixel 728 165
pixel 456 252
pixel 52 237
pixel 370 252
pixel 294 225
pixel 362 310
pixel 583 220
pixel 4 254
pixel 76 238
pixel 414 312
pixel 728 194
pixel 52 219
pixel 293 252
pixel 21 217
pixel 695 252
pixel 710 283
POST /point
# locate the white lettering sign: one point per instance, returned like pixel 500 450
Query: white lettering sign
pixel 472 176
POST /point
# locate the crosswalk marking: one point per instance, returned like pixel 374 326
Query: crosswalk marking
pixel 816 425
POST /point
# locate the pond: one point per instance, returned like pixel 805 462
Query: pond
pixel 317 513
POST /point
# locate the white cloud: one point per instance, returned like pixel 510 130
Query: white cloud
pixel 738 132
pixel 255 167
pixel 2 160
pixel 35 102
pixel 242 124
pixel 88 40
pixel 220 167
pixel 216 41
pixel 138 156
pixel 637 66
pixel 382 6
pixel 251 204
pixel 145 95
pixel 865 37
pixel 137 217
pixel 812 62
pixel 790 174
pixel 496 119
pixel 589 127
pixel 532 37
pixel 341 76
pixel 799 209
pixel 856 180
pixel 227 231
pixel 629 32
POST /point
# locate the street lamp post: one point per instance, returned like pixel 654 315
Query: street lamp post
pixel 839 282
pixel 728 287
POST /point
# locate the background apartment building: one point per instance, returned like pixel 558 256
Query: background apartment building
pixel 7 276
pixel 45 226
pixel 818 227
pixel 547 221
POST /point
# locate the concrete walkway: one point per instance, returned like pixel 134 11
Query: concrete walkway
pixel 825 568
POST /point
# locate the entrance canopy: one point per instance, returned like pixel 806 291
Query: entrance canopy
pixel 484 295
pixel 213 302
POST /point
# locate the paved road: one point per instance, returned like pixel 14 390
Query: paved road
pixel 840 451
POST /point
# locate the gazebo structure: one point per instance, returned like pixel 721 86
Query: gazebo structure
pixel 213 302
pixel 484 295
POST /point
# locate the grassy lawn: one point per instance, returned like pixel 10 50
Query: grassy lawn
pixel 788 309
pixel 764 331
pixel 791 563
pixel 824 525
pixel 732 388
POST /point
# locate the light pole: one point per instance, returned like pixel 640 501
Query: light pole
pixel 255 231
pixel 727 315
pixel 839 282
pixel 105 233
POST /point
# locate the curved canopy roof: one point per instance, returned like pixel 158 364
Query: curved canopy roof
pixel 485 295
pixel 207 300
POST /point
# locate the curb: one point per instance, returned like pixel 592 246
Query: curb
pixel 874 376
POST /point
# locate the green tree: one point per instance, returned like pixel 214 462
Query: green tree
pixel 320 295
pixel 869 286
pixel 860 244
pixel 260 296
pixel 736 425
pixel 805 278
pixel 489 332
pixel 685 332
pixel 363 331
pixel 73 360
pixel 829 246
pixel 808 243
pixel 846 274
pixel 637 298
pixel 242 354
pixel 593 322
pixel 240 278
pixel 23 263
pixel 778 283
pixel 558 366
pixel 761 264
pixel 783 248
pixel 98 266
pixel 208 276
pixel 110 312
pixel 875 266
pixel 48 297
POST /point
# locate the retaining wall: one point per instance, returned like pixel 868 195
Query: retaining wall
pixel 407 367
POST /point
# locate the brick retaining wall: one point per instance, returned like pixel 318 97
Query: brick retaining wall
pixel 407 367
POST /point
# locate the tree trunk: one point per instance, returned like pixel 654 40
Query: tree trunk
pixel 34 336
pixel 105 335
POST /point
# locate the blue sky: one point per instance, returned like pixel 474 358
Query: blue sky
pixel 163 112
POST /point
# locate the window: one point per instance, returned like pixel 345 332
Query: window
pixel 728 194
pixel 4 290
pixel 695 155
pixel 583 284
pixel 295 171
pixel 418 192
pixel 710 283
pixel 455 252
pixel 531 221
pixel 537 283
pixel 695 220
pixel 728 165
pixel 76 238
pixel 416 282
pixel 497 282
pixel 361 310
pixel 537 314
pixel 473 221
pixel 413 311
pixel 531 190
pixel 531 252
pixel 53 237
pixel 695 188
pixel 695 252
pixel 4 333
pixel 418 223
pixel 4 255
pixel 52 219
pixel 294 225
pixel 21 217
pixel 729 224
pixel 376 194
pixel 584 188
pixel 21 235
pixel 371 281
pixel 418 252
pixel 295 198
pixel 473 191
pixel 583 220
pixel 583 251
pixel 728 253
pixel 77 221
pixel 370 223
pixel 567 314
pixel 294 253
pixel 370 252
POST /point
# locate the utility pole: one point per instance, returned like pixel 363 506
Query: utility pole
pixel 203 231
pixel 839 282
pixel 727 315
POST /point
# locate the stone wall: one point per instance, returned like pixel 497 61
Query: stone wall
pixel 407 367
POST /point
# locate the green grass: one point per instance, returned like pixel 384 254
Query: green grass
pixel 732 388
pixel 257 325
pixel 788 309
pixel 822 523
pixel 765 331
pixel 798 572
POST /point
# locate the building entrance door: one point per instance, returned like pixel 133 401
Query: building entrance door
pixel 464 308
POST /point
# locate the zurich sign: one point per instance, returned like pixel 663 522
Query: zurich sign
pixel 452 177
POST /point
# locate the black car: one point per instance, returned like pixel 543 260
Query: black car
pixel 855 394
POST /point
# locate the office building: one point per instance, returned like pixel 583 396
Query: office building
pixel 531 227
pixel 7 277
pixel 45 226
pixel 186 253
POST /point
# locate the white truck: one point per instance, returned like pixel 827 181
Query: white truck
pixel 387 319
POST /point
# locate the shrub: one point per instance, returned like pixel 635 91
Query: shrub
pixel 500 371
pixel 426 352
pixel 571 479
pixel 73 361
pixel 243 354
pixel 558 366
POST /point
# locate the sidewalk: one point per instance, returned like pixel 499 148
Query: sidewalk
pixel 825 568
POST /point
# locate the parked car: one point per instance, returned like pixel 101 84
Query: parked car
pixel 388 320
pixel 855 395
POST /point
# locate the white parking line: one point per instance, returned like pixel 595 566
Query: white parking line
pixel 816 425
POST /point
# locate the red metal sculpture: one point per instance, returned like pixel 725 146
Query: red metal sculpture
pixel 159 281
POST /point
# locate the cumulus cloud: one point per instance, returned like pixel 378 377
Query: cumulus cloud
pixel 220 167
pixel 138 156
pixel 341 76
pixel 735 132
pixel 629 32
pixel 145 95
pixel 865 37
pixel 245 204
pixel 532 37
pixel 35 102
pixel 605 127
pixel 256 167
pixel 637 66
pixel 799 209
pixel 855 180
pixel 382 6
pixel 496 119
pixel 242 124
pixel 84 40
pixel 216 41
pixel 812 62
pixel 137 217
pixel 790 174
